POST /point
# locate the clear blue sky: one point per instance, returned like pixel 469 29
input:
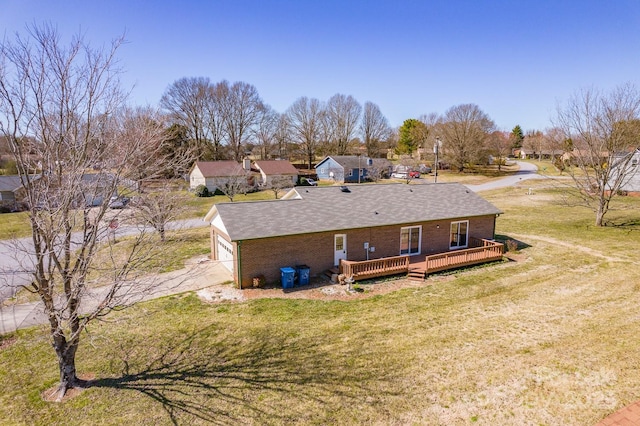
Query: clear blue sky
pixel 514 59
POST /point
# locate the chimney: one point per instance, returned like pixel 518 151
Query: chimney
pixel 246 164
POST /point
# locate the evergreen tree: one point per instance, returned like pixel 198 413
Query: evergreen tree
pixel 517 136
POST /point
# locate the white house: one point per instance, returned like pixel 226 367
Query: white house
pixel 270 169
pixel 212 174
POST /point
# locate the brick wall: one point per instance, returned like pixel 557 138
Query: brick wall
pixel 266 256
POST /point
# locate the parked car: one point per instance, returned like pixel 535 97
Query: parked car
pixel 399 175
pixel 118 202
pixel 311 182
pixel 424 169
pixel 414 174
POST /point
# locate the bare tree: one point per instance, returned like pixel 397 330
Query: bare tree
pixel 534 142
pixel 60 109
pixel 282 136
pixel 464 131
pixel 305 123
pixel 499 144
pixel 343 116
pixel 278 184
pixel 159 208
pixel 215 118
pixel 605 131
pixel 266 131
pixel 186 100
pixel 240 107
pixel 433 124
pixel 234 184
pixel 557 145
pixel 374 129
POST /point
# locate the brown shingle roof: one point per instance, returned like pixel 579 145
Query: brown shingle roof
pixel 276 167
pixel 218 168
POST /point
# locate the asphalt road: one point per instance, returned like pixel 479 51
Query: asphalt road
pixel 527 171
pixel 16 256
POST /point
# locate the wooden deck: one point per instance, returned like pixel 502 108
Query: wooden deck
pixel 481 251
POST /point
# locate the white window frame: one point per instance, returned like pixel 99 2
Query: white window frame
pixel 466 235
pixel 410 228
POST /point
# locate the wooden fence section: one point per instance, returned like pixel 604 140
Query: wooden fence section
pixel 481 251
pixel 375 268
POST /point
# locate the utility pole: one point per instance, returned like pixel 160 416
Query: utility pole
pixel 436 151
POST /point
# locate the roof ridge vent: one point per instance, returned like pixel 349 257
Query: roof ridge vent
pixel 345 189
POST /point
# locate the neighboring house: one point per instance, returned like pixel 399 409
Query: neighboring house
pixel 10 190
pixel 344 168
pixel 381 167
pixel 213 174
pixel 270 169
pixel 97 188
pixel 584 157
pixel 544 154
pixel 631 180
pixel 319 226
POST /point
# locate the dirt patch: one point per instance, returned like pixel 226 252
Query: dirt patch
pixel 318 289
pixel 7 342
pixel 51 394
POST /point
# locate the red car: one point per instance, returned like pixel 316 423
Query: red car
pixel 414 174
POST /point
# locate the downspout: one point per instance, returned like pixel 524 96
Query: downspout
pixel 239 268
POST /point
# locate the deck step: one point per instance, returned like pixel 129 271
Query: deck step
pixel 417 274
pixel 330 272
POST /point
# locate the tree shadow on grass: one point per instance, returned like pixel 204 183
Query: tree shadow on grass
pixel 265 378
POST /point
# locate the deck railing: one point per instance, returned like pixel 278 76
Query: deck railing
pixel 481 251
pixel 375 268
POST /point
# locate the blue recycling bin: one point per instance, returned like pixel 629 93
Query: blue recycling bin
pixel 303 274
pixel 287 277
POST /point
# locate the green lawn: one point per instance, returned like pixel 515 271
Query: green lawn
pixel 548 340
pixel 200 206
pixel 14 225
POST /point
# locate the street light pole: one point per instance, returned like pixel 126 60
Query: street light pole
pixel 436 151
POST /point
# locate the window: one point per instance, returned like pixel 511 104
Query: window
pixel 410 238
pixel 459 234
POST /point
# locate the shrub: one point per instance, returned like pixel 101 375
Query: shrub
pixel 512 245
pixel 202 191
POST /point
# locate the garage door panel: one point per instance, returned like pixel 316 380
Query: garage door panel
pixel 225 253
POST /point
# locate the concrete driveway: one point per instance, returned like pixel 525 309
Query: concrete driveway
pixel 198 274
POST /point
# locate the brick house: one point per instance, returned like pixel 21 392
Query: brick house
pixel 319 226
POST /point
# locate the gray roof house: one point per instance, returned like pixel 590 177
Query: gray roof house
pixel 347 168
pixel 9 188
pixel 320 226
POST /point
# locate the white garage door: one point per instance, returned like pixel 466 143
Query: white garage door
pixel 225 253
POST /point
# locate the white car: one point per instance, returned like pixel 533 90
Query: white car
pixel 311 182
